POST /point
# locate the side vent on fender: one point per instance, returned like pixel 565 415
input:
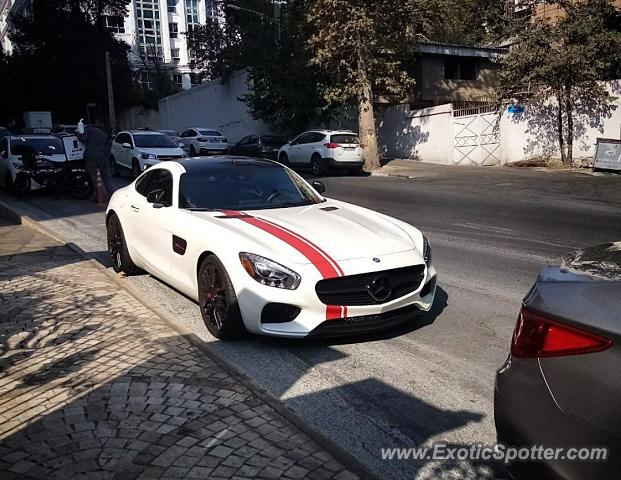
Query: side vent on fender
pixel 179 245
pixel 329 209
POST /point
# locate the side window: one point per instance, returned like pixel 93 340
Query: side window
pixel 191 133
pixel 144 183
pixel 165 182
pixel 253 139
pixel 244 141
pixel 316 137
pixel 302 139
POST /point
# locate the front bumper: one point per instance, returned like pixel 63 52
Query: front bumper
pixel 313 315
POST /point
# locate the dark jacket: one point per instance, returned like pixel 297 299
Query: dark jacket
pixel 97 142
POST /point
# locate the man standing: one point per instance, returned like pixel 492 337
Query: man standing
pixel 97 154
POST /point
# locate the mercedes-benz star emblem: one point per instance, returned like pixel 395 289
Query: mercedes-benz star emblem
pixel 380 288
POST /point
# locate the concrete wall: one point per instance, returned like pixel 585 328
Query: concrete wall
pixel 212 105
pixel 419 134
pixel 533 134
pixel 139 117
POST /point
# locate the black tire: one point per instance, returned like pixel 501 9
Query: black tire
pixel 283 159
pixel 81 186
pixel 117 248
pixel 9 186
pixel 218 301
pixel 114 167
pixel 192 151
pixel 317 165
pixel 136 168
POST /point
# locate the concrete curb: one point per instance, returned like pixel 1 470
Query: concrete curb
pixel 16 214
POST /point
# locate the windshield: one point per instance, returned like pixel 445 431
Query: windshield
pixel 210 133
pixel 344 138
pixel 154 141
pixel 244 187
pixel 46 146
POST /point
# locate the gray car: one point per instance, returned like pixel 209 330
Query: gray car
pixel 561 385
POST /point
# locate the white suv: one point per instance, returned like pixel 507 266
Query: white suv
pixel 141 149
pixel 322 149
pixel 199 141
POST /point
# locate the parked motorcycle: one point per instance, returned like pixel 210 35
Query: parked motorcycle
pixel 69 177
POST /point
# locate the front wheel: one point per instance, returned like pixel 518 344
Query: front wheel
pixel 117 248
pixel 81 186
pixel 283 159
pixel 116 172
pixel 136 168
pixel 218 301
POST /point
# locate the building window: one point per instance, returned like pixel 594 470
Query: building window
pixel 115 24
pixel 173 29
pixel 178 79
pixel 146 79
pixel 191 13
pixel 172 6
pixel 460 68
pixel 210 8
pixel 174 53
pixel 148 22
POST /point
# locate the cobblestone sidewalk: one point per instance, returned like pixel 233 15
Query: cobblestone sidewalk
pixel 94 385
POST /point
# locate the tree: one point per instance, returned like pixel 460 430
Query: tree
pixel 284 87
pixel 364 46
pixel 564 61
pixel 62 72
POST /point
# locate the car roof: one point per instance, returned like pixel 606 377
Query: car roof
pixel 329 132
pixel 205 164
pixel 34 135
pixel 146 132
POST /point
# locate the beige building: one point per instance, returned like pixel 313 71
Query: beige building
pixel 455 74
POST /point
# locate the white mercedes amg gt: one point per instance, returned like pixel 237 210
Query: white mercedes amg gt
pixel 261 250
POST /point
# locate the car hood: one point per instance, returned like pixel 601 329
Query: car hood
pixel 162 152
pixel 343 231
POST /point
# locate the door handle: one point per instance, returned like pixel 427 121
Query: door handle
pixel 135 208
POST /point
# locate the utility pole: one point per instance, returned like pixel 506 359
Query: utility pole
pixel 111 112
pixel 277 21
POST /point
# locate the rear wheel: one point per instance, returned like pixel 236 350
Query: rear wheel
pixel 317 165
pixel 136 168
pixel 80 185
pixel 117 248
pixel 192 151
pixel 218 301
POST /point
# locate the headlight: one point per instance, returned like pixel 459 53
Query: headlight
pixel 426 251
pixel 147 156
pixel 268 272
pixel 17 163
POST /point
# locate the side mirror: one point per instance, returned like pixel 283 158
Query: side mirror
pixel 155 197
pixel 4 154
pixel 126 145
pixel 318 186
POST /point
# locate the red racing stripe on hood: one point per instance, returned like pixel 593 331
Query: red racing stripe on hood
pixel 326 265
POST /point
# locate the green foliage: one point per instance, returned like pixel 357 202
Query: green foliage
pixel 472 22
pixel 283 84
pixel 565 60
pixel 58 64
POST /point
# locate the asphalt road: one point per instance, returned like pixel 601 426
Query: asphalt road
pixel 491 231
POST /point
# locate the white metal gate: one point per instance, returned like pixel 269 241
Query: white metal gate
pixel 476 136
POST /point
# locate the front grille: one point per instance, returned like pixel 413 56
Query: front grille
pixel 364 324
pixel 353 290
pixel 169 157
